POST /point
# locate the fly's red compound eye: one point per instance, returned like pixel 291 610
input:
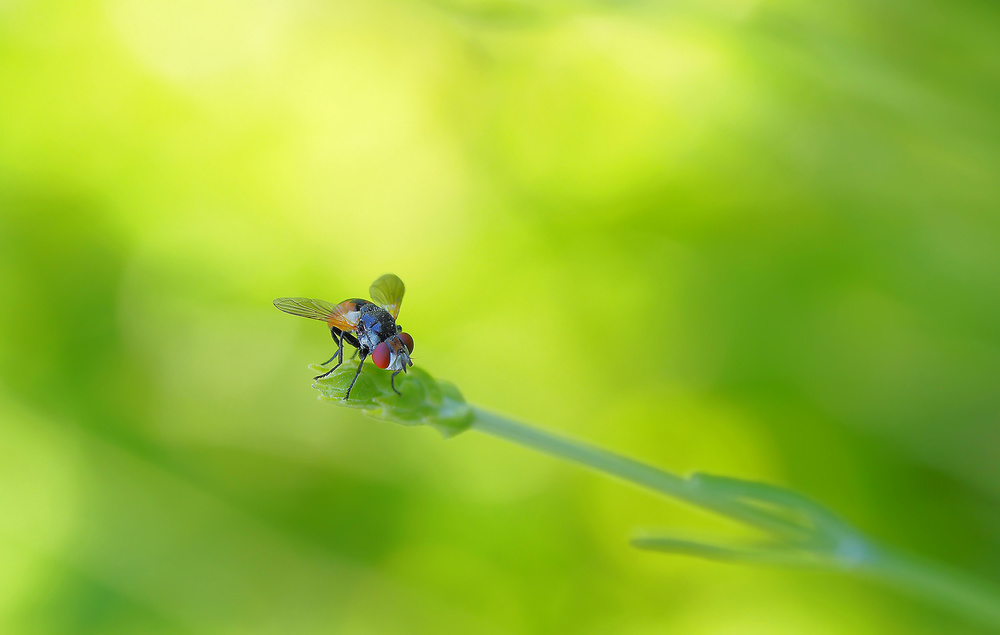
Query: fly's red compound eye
pixel 380 356
pixel 406 339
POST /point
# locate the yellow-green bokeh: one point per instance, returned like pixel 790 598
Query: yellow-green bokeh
pixel 753 238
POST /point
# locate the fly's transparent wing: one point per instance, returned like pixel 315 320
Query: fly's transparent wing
pixel 307 308
pixel 344 316
pixel 387 292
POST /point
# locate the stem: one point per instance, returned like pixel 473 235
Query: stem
pixel 594 457
pixel 849 552
pixel 948 587
pixel 629 470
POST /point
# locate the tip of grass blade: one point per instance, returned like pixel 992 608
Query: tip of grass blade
pixel 423 399
pixel 765 554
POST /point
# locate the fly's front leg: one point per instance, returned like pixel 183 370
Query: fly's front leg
pixel 392 382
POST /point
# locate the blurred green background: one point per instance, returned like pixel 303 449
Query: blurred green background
pixel 749 237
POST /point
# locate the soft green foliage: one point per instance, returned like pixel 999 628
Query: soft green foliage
pixel 755 238
pixel 422 399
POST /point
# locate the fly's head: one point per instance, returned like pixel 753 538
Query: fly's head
pixel 394 353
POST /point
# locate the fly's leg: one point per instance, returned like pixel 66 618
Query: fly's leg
pixel 353 341
pixel 392 382
pixel 338 337
pixel 348 393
